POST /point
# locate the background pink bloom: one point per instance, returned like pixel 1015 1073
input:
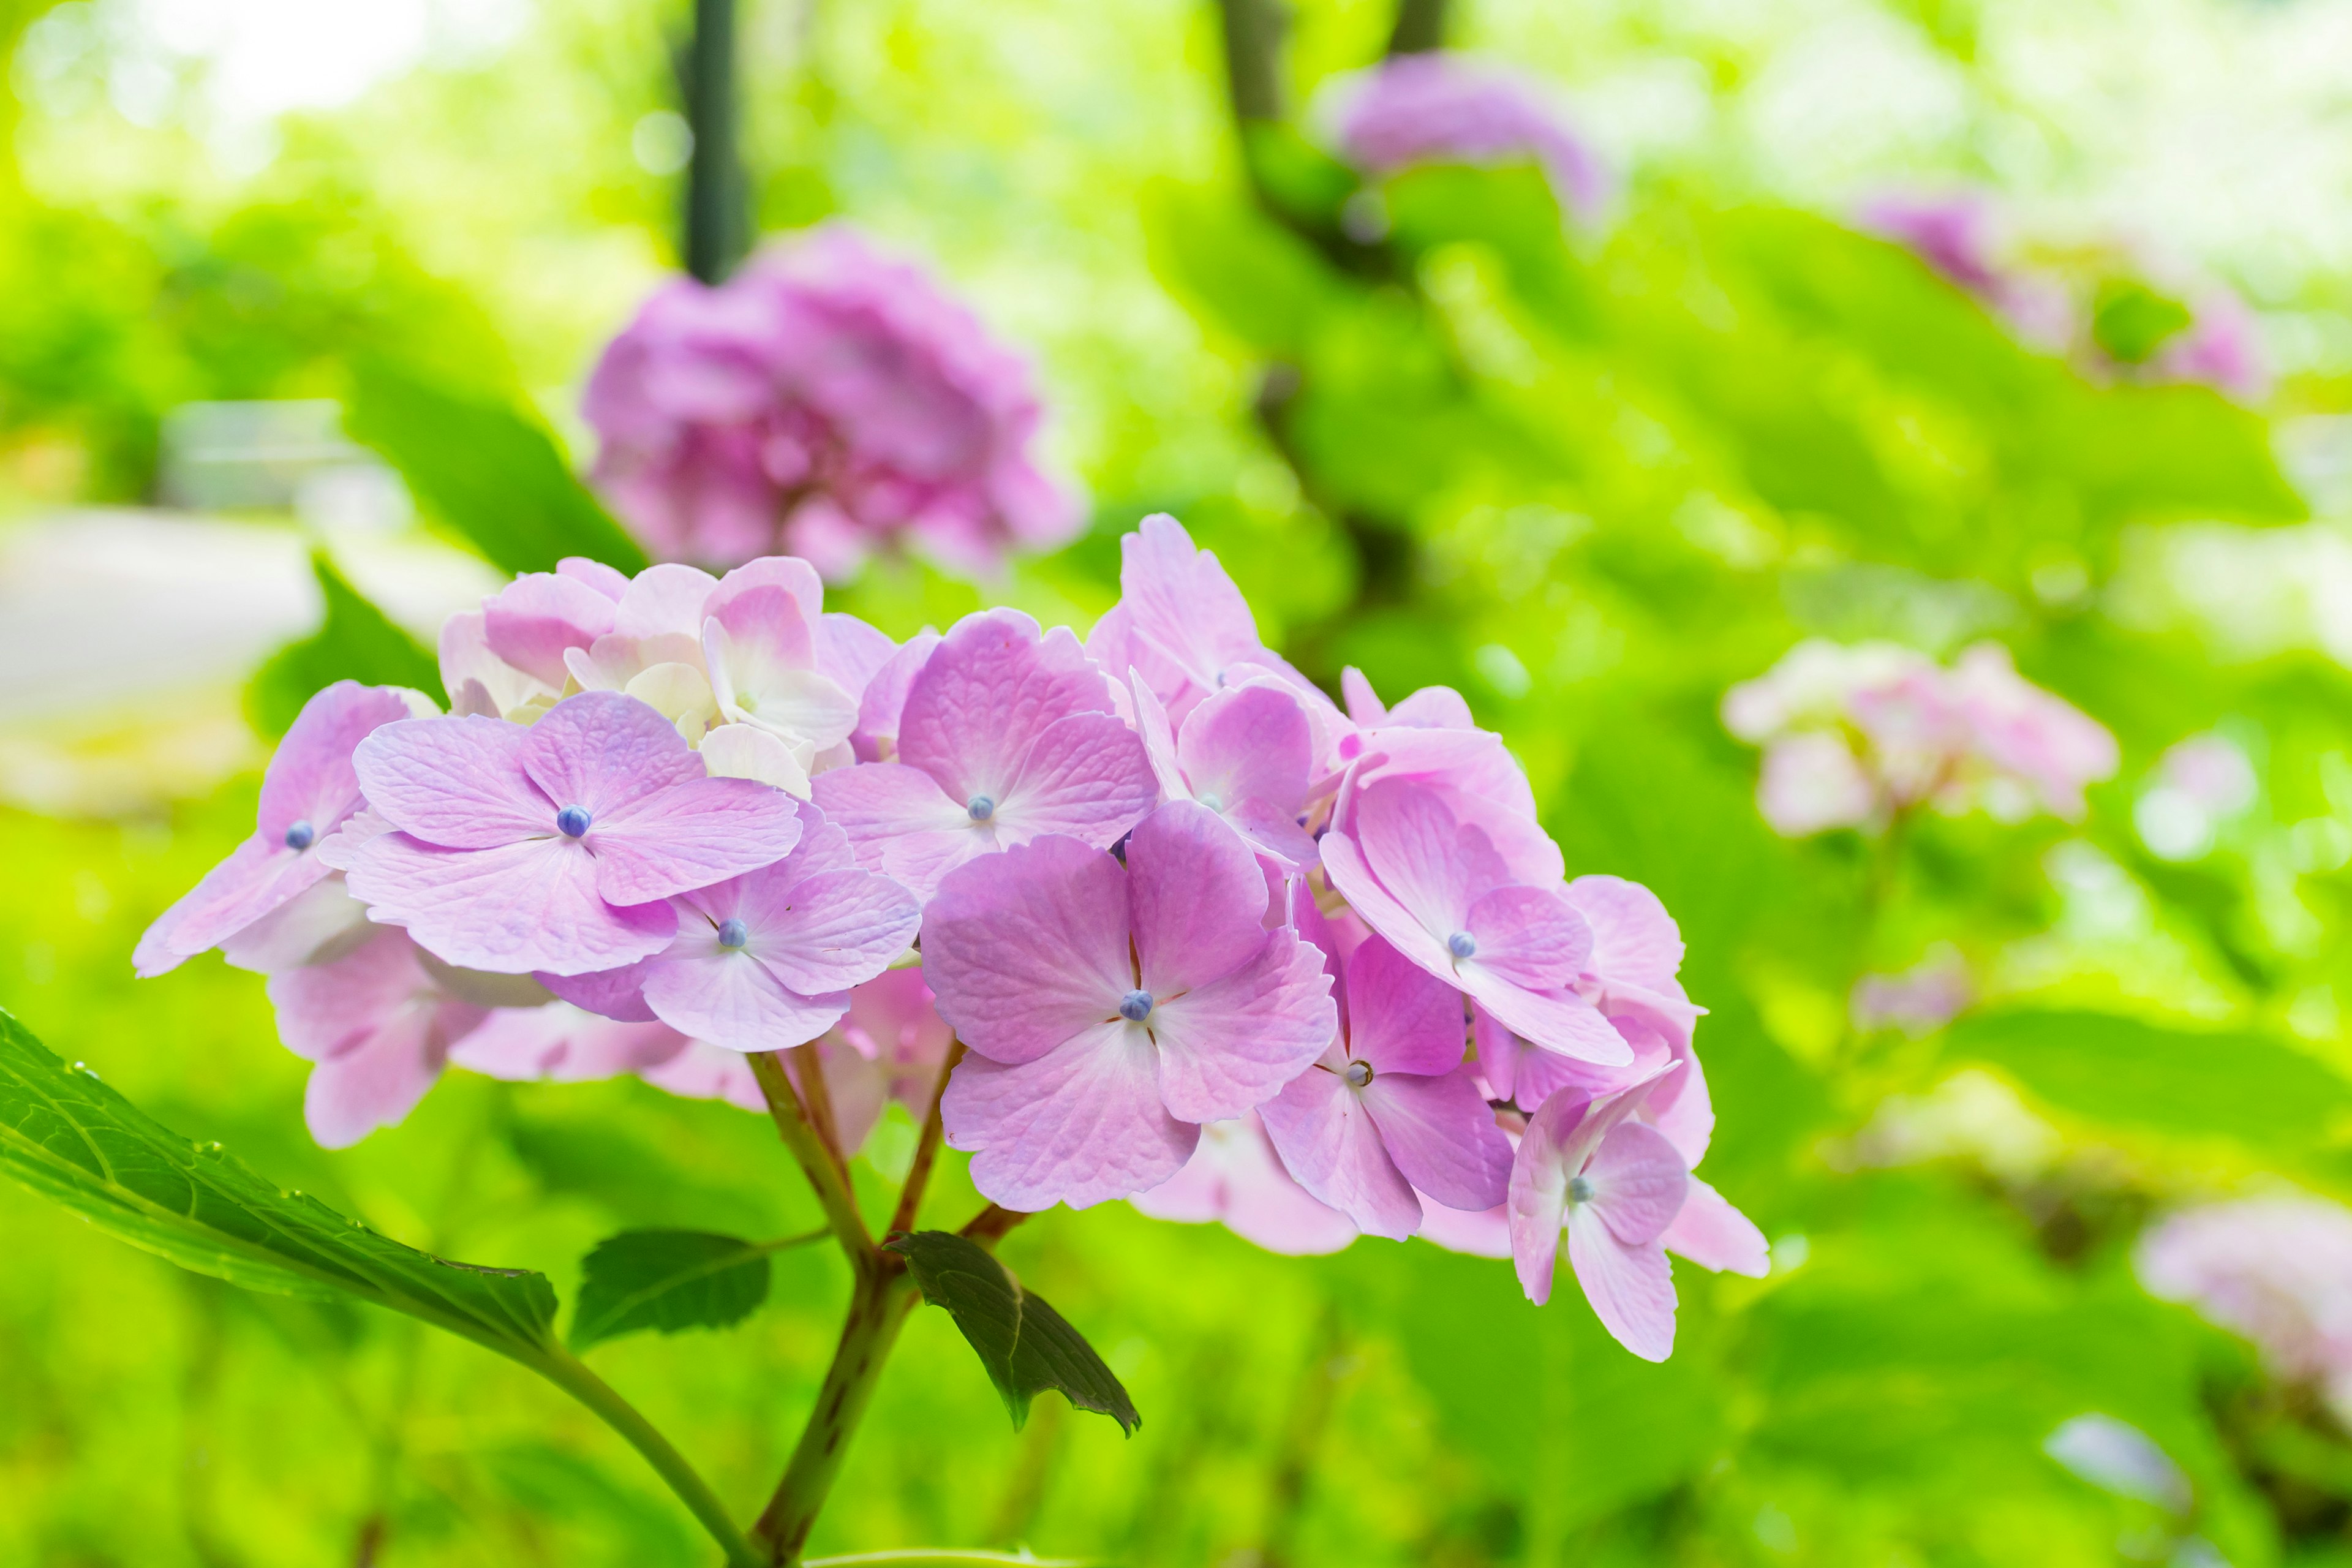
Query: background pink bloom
pixel 554 847
pixel 2277 1270
pixel 1444 107
pixel 828 400
pixel 310 790
pixel 893 1023
pixel 1234 1178
pixel 378 1026
pixel 1110 1010
pixel 1006 733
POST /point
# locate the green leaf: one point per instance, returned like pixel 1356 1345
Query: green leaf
pixel 2130 1074
pixel 70 1138
pixel 667 1281
pixel 486 470
pixel 1026 1346
pixel 355 642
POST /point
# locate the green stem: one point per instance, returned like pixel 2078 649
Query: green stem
pixel 926 1148
pixel 570 1375
pixel 947 1555
pixel 815 1161
pixel 878 1309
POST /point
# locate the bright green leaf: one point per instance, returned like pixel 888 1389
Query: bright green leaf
pixel 667 1281
pixel 1026 1346
pixel 355 642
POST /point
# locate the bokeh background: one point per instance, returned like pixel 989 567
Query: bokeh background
pixel 1590 469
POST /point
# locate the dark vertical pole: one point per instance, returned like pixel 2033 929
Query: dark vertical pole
pixel 1419 27
pixel 1253 30
pixel 717 227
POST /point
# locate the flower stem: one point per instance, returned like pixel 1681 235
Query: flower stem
pixel 817 1161
pixel 568 1373
pixel 926 1148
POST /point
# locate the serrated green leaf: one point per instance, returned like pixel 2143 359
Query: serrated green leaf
pixel 1026 1346
pixel 355 642
pixel 486 470
pixel 667 1281
pixel 69 1137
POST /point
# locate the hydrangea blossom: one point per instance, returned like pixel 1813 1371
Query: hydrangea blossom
pixel 1208 941
pixel 1435 108
pixel 1854 734
pixel 2277 1270
pixel 828 400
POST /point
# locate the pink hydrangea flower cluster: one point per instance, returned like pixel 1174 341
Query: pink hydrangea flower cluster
pixel 828 400
pixel 1856 733
pixel 1206 939
pixel 1440 108
pixel 2277 1270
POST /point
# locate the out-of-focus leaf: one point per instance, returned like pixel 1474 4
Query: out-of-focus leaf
pixel 488 472
pixel 72 1139
pixel 355 642
pixel 2136 1076
pixel 1026 1346
pixel 667 1281
pixel 1261 282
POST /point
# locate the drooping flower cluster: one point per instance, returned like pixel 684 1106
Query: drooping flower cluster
pixel 2119 312
pixel 827 401
pixel 2277 1270
pixel 1854 734
pixel 1206 939
pixel 1440 107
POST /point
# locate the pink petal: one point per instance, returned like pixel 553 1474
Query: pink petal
pixel 1274 834
pixel 456 782
pixel 1682 1110
pixel 1363 704
pixel 329 1008
pixel 851 652
pixel 1530 937
pixel 537 616
pixel 1029 948
pixel 1632 1287
pixel 664 599
pixel 1555 1021
pixel 1343 863
pixel 515 909
pixel 885 697
pixel 1235 1176
pixel 768 620
pixel 987 693
pixel 901 823
pixel 1249 742
pixel 795 576
pixel 1638 1182
pixel 1329 1141
pixel 1537 1193
pixel 1178 601
pixel 1401 1018
pixel 1086 776
pixel 856 1088
pixel 1479 783
pixel 1231 1044
pixel 1634 938
pixel 731 999
pixel 1410 842
pixel 1441 1134
pixel 618 995
pixel 1487 1234
pixel 310 778
pixel 1158 740
pixel 602 751
pixel 703 1072
pixel 315 926
pixel 1434 707
pixel 1715 1236
pixel 378 1081
pixel 561 1043
pixel 1198 899
pixel 260 876
pixel 833 931
pixel 608 581
pixel 1077 1125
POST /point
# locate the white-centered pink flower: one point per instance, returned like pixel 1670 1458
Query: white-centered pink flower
pixel 1108 1010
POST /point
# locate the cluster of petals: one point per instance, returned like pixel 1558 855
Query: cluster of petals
pixel 2275 1270
pixel 1443 108
pixel 827 401
pixel 1207 939
pixel 1854 734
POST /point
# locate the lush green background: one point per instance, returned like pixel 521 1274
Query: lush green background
pixel 1588 476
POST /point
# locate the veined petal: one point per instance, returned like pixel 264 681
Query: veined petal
pixel 1632 1287
pixel 458 783
pixel 986 695
pixel 1330 1143
pixel 1078 1125
pixel 731 999
pixel 515 909
pixel 1197 897
pixel 1638 1182
pixel 901 823
pixel 833 931
pixel 1443 1136
pixel 1401 1018
pixel 689 836
pixel 1531 937
pixel 1231 1042
pixel 1029 948
pixel 1087 777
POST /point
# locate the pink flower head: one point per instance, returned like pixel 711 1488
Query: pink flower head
pixel 1439 892
pixel 1389 1108
pixel 1234 1178
pixel 1006 735
pixel 1965 236
pixel 1110 1010
pixel 378 1024
pixel 2277 1269
pixel 1440 108
pixel 1919 1000
pixel 308 793
pixel 2222 347
pixel 765 961
pixel 2025 737
pixel 1247 753
pixel 894 1022
pixel 828 400
pixel 554 847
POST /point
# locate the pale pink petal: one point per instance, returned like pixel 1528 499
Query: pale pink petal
pixel 313 927
pixel 730 999
pixel 379 1080
pixel 1179 600
pixel 1343 863
pixel 1329 1139
pixel 1812 781
pixel 311 777
pixel 1443 1136
pixel 705 1071
pixel 1485 1233
pixel 561 1043
pixel 664 599
pixel 1634 938
pixel 1529 936
pixel 1364 705
pixel 1412 844
pixel 618 994
pixel 1235 1176
pixel 327 1009
pixel 833 931
pixel 1434 707
pixel 609 581
pixel 1401 1018
pixel 746 752
pixel 1481 784
pixel 517 908
pixel 987 693
pixel 1030 948
pixel 885 697
pixel 456 782
pixel 857 1088
pixel 901 823
pixel 601 751
pixel 1555 1021
pixel 1713 1234
pixel 540 614
pixel 260 876
pixel 795 576
pixel 1158 740
pixel 1197 898
pixel 1231 1044
pixel 1537 1195
pixel 1078 1125
pixel 1682 1110
pixel 850 652
pixel 1638 1182
pixel 1632 1287
pixel 1086 776
pixel 1272 833
pixel 1248 742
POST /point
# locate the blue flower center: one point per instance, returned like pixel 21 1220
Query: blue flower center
pixel 300 834
pixel 1135 1007
pixel 1462 944
pixel 980 808
pixel 1579 1189
pixel 733 933
pixel 573 821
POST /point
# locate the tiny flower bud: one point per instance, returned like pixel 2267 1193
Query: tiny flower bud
pixel 733 933
pixel 1358 1074
pixel 1135 1007
pixel 573 821
pixel 300 834
pixel 1462 944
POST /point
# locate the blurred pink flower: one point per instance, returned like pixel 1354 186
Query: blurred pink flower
pixel 894 1022
pixel 1235 1178
pixel 2277 1270
pixel 378 1026
pixel 1919 1000
pixel 827 401
pixel 1440 107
